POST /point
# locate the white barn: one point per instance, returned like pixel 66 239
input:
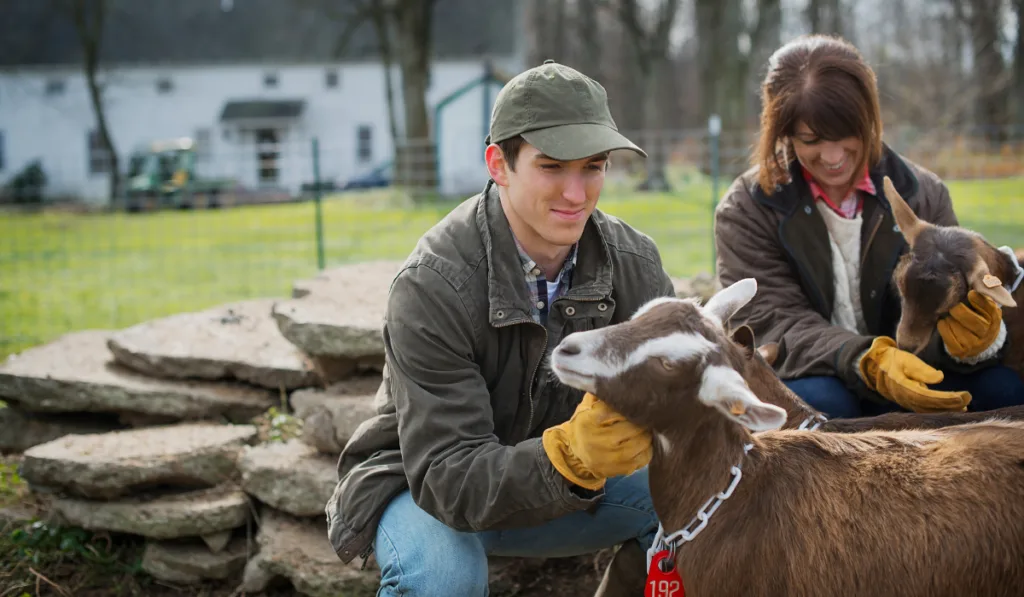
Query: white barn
pixel 251 81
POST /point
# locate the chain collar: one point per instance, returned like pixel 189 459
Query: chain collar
pixel 690 531
pixel 818 419
pixel 1012 287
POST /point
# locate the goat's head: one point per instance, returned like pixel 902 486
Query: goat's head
pixel 942 265
pixel 670 364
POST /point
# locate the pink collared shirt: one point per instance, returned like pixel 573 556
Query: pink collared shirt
pixel 852 204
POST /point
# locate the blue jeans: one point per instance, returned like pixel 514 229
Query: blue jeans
pixel 419 555
pixel 990 388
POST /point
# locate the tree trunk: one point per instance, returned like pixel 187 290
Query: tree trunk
pixel 89 17
pixel 1018 73
pixel 588 32
pixel 382 27
pixel 990 70
pixel 415 159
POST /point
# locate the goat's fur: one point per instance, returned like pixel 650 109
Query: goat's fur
pixel 942 265
pixel 764 383
pixel 911 513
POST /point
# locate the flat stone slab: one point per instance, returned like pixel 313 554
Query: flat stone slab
pixel 298 549
pixel 20 430
pixel 109 465
pixel 289 476
pixel 235 341
pixel 191 562
pixel 339 313
pixel 76 373
pixel 330 416
pixel 189 514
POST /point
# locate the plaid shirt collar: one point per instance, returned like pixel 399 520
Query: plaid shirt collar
pixel 540 297
pixel 852 204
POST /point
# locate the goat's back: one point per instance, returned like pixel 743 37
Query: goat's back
pixel 910 513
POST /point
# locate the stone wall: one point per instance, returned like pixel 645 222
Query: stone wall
pixel 150 431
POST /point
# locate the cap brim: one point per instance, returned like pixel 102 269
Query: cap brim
pixel 578 141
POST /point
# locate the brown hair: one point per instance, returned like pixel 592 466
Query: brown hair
pixel 510 148
pixel 824 82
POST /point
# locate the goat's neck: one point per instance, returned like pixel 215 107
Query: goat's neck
pixel 691 464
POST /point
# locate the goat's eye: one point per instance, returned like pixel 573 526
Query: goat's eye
pixel 667 364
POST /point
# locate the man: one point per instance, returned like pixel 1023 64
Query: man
pixel 477 450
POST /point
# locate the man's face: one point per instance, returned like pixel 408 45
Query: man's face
pixel 547 201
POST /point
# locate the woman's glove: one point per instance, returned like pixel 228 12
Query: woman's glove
pixel 901 377
pixel 969 331
pixel 596 443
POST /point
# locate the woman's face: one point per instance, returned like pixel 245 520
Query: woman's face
pixel 833 164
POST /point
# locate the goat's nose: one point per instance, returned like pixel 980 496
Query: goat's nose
pixel 569 349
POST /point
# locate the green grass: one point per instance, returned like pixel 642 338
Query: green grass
pixel 61 271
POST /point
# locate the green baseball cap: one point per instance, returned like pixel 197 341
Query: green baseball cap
pixel 558 110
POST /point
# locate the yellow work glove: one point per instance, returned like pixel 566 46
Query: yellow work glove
pixel 968 332
pixel 902 377
pixel 596 443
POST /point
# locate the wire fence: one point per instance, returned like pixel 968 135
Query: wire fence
pixel 189 230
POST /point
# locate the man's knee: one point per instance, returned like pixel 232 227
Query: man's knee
pixel 826 394
pixel 420 556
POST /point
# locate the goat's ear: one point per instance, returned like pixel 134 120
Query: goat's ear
pixel 731 299
pixel 985 283
pixel 744 336
pixel 724 389
pixel 769 352
pixel 910 225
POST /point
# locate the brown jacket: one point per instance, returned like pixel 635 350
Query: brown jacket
pixel 466 395
pixel 781 240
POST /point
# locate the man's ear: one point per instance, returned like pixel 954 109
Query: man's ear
pixel 497 167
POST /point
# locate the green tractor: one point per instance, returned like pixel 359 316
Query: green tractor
pixel 163 176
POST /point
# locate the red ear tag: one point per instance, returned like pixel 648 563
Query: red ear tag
pixel 661 583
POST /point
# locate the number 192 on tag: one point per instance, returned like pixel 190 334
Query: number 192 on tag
pixel 664 588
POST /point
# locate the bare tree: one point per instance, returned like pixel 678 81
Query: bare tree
pixel 649 30
pixel 403 32
pixel 415 161
pixel 1018 71
pixel 825 16
pixel 89 18
pixel 992 78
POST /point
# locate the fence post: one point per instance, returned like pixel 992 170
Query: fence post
pixel 714 134
pixel 318 205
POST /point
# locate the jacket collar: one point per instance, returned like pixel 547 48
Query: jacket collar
pixel 507 294
pixel 787 197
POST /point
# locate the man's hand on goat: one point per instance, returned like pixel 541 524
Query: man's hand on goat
pixel 596 443
pixel 903 378
pixel 970 330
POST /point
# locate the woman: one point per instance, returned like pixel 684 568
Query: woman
pixel 810 222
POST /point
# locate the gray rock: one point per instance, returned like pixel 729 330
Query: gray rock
pixel 20 430
pixel 235 341
pixel 192 563
pixel 109 465
pixel 298 550
pixel 216 542
pixel 339 313
pixel 189 514
pixel 76 373
pixel 290 476
pixel 330 416
pixel 702 286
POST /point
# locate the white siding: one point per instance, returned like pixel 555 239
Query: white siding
pixel 54 127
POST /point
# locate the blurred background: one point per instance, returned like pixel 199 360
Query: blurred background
pixel 160 156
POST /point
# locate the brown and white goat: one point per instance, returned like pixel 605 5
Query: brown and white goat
pixel 942 265
pixel 910 513
pixel 764 382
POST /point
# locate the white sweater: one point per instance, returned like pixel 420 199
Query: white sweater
pixel 844 238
